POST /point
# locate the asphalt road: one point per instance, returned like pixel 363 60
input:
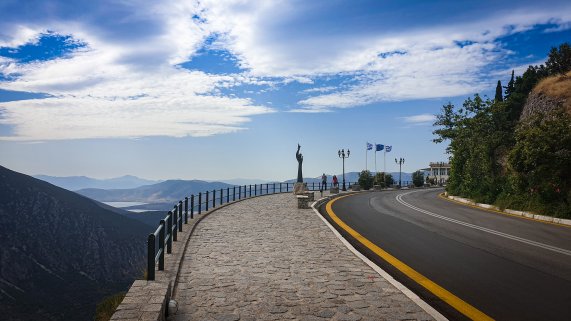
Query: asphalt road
pixel 508 268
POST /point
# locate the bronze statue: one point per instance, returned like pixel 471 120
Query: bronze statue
pixel 299 161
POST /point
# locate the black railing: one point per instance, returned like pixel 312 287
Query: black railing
pixel 168 229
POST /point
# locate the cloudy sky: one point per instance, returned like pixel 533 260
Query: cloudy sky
pixel 226 89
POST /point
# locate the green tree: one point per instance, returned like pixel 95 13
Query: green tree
pixel 418 178
pixel 499 96
pixel 540 163
pixel 383 179
pixel 365 179
pixel 559 60
pixel 510 87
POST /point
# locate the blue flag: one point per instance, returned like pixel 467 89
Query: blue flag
pixel 369 146
pixel 388 148
pixel 379 147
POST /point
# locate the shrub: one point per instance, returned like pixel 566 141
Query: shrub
pixel 366 179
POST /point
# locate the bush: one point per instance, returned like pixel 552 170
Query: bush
pixel 418 178
pixel 107 307
pixel 383 179
pixel 365 179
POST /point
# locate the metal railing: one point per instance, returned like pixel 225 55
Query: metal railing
pixel 164 236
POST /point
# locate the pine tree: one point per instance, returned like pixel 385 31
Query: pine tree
pixel 510 86
pixel 499 96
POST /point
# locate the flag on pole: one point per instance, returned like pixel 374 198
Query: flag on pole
pixel 369 146
pixel 388 148
pixel 379 147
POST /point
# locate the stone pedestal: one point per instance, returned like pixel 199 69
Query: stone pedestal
pixel 334 190
pixel 299 188
pixel 302 201
pixel 355 187
pixel 310 195
pixel 377 187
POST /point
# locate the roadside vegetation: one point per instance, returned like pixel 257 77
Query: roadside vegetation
pixel 515 151
pixel 107 307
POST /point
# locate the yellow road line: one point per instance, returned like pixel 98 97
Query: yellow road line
pixel 491 210
pixel 446 296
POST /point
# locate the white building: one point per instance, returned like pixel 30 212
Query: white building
pixel 440 171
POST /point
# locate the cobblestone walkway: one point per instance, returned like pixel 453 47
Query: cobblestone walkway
pixel 264 259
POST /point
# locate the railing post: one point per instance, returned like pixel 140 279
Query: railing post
pixel 179 216
pixel 169 230
pixel 175 222
pixel 162 246
pixel 221 196
pixel 199 202
pixel 233 193
pixel 227 194
pixel 186 210
pixel 192 206
pixel 250 190
pixel 206 203
pixel 151 257
pixel 239 191
pixel 213 198
pixel 280 187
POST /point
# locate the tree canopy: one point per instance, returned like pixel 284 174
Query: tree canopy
pixel 496 158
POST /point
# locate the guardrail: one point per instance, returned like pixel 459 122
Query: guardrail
pixel 163 237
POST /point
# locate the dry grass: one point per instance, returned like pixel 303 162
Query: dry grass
pixel 558 87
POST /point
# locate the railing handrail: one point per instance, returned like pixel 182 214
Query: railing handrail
pixel 172 223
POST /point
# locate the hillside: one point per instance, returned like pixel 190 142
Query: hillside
pixel 74 183
pixel 61 253
pixel 170 191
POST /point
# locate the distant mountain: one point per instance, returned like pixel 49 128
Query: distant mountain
pixel 353 177
pixel 165 192
pixel 244 181
pixel 74 183
pixel 61 253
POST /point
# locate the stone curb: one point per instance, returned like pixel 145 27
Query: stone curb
pixel 148 300
pixel 530 215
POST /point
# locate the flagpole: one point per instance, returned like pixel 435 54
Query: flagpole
pixel 375 159
pixel 366 150
pixel 385 161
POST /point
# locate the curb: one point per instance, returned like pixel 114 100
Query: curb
pixel 491 208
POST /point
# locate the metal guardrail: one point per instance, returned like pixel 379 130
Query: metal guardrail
pixel 163 237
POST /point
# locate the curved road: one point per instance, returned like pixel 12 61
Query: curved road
pixel 506 267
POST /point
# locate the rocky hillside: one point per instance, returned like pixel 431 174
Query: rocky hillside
pixel 61 253
pixel 550 94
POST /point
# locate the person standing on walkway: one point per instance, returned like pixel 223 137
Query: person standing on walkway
pixel 323 182
pixel 335 182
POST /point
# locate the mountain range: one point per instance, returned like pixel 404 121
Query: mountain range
pixel 74 183
pixel 170 191
pixel 353 177
pixel 60 252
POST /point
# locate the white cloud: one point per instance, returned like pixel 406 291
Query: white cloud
pixel 319 89
pixel 125 83
pixel 419 119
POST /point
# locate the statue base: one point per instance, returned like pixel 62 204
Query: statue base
pixel 299 188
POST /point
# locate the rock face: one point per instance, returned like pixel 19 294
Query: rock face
pixel 550 94
pixel 61 253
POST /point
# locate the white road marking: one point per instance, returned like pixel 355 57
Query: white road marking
pixel 484 229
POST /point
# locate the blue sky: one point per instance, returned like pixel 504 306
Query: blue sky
pixel 226 89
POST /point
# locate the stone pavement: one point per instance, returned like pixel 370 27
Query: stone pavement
pixel 264 259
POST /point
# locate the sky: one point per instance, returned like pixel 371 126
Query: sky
pixel 218 89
